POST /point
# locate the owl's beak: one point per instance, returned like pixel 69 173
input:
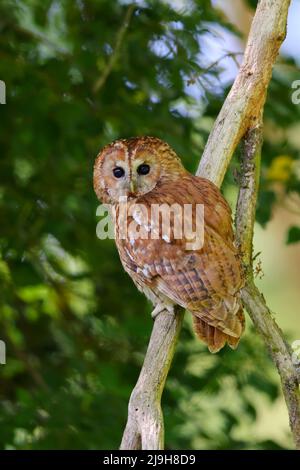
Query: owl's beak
pixel 132 186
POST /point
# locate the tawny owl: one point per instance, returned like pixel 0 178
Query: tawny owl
pixel 143 173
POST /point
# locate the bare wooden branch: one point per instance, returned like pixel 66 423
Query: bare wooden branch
pixel 279 350
pixel 248 188
pixel 145 426
pixel 246 98
pixel 252 298
pixel 241 111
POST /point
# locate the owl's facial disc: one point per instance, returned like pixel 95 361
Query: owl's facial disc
pixel 134 167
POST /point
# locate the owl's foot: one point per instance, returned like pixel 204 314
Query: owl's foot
pixel 161 308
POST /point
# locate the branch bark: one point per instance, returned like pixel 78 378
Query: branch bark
pixel 241 111
pixel 145 426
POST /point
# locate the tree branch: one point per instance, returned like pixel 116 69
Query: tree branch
pixel 115 54
pixel 279 350
pixel 253 300
pixel 145 427
pixel 241 111
pixel 248 182
pixel 246 98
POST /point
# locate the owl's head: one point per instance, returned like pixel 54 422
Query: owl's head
pixel 133 167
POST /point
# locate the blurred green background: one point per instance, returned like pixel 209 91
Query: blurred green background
pixel 79 74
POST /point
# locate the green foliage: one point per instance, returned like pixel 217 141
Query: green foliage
pixel 265 203
pixel 293 235
pixel 75 327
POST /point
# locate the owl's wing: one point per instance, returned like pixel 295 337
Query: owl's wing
pixel 192 190
pixel 217 210
pixel 205 280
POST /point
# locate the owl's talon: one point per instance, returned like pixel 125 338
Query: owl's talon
pixel 161 308
pixel 157 310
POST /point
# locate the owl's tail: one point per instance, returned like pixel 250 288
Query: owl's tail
pixel 214 337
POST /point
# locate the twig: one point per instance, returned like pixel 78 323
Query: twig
pixel 231 55
pixel 41 37
pixel 253 300
pixel 241 111
pixel 115 54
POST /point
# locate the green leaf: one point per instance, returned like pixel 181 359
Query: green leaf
pixel 266 200
pixel 293 235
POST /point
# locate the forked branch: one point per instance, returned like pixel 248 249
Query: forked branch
pixel 241 111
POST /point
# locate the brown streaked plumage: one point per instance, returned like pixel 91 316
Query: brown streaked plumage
pixel 206 281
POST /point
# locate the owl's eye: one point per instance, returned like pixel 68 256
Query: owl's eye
pixel 143 169
pixel 118 172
